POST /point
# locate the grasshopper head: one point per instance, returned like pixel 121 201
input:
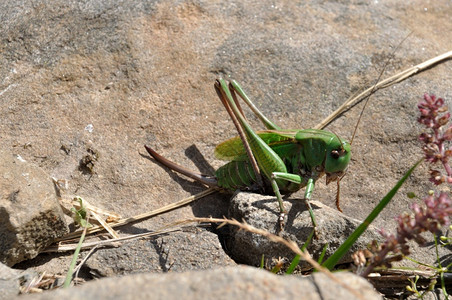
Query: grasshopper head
pixel 337 159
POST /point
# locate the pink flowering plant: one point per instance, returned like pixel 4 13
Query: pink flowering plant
pixel 435 116
pixel 437 208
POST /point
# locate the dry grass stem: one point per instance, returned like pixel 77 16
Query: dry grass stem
pixel 109 242
pixel 145 215
pixel 95 212
pixel 79 266
pixel 383 84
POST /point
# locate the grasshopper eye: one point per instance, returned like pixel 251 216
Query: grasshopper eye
pixel 335 154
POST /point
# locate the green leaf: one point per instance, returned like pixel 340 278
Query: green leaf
pixel 80 215
pixel 296 259
pixel 343 249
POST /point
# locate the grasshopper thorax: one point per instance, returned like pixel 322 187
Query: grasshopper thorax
pixel 325 151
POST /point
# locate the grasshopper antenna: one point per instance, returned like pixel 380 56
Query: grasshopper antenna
pixel 361 114
pixel 375 85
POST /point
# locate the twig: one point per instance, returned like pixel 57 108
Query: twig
pixel 109 242
pixel 383 84
pixel 88 255
pixel 144 215
pixel 33 283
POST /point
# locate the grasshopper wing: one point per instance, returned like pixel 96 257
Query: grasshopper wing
pixel 233 149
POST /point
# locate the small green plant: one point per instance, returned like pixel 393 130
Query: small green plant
pixel 414 284
pixel 80 217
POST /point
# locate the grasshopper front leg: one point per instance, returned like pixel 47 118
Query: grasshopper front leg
pixel 296 179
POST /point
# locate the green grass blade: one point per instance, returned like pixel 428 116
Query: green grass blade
pixel 322 255
pixel 343 249
pixel 296 260
pixel 293 264
pixel 70 272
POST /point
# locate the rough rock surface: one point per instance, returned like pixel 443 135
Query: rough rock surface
pixel 12 282
pixel 333 228
pixel 9 282
pixel 223 283
pixel 30 215
pixel 195 249
pixel 84 84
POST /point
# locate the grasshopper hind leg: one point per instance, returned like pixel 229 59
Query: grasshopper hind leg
pixel 267 122
pixel 207 180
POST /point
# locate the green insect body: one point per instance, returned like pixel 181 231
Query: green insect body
pixel 307 153
pixel 275 160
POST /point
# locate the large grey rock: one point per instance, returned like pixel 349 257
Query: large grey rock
pixel 333 228
pixel 30 215
pixel 195 249
pixel 223 283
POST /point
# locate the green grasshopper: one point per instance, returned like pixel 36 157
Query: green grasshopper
pixel 276 160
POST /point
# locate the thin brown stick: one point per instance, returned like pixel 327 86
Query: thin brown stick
pixel 384 84
pixel 79 266
pixel 142 216
pixel 109 242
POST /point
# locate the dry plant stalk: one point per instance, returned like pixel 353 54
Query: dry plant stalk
pixel 110 242
pixel 384 84
pixel 142 216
